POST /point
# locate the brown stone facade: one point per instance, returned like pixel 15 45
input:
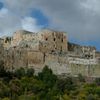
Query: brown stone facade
pixel 47 47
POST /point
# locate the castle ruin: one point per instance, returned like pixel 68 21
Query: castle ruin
pixel 47 47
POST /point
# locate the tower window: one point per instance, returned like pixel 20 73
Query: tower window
pixel 46 39
pixel 54 39
pixel 62 39
pixel 52 50
pixel 5 41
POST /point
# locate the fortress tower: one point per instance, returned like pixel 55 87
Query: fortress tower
pixel 52 41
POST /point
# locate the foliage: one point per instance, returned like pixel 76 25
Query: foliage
pixel 6 98
pixel 81 78
pixel 4 89
pixel 24 85
pixel 26 97
pixel 30 72
pixel 20 73
pixel 97 81
pixel 47 77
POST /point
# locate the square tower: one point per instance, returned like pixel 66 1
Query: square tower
pixel 52 41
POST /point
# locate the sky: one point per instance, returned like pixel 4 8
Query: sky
pixel 80 19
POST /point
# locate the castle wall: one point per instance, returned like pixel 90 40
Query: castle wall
pixel 85 70
pixel 52 41
pixel 18 57
pixel 87 52
pixel 14 59
pixel 98 56
pixel 22 35
pixel 1 52
pixel 30 50
pixel 35 57
pixel 82 61
pixel 60 64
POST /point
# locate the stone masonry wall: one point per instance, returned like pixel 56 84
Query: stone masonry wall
pixel 50 48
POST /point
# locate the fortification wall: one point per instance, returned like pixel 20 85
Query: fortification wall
pixel 30 50
pixel 85 70
pixel 60 64
pixel 16 58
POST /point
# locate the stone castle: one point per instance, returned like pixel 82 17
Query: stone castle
pixel 47 47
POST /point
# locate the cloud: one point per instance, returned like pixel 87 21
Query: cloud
pixel 3 12
pixel 30 24
pixel 11 19
pixel 8 22
pixel 92 6
pixel 80 18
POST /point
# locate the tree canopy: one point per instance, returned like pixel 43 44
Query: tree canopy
pixel 23 84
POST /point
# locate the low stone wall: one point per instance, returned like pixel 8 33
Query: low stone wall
pixel 89 71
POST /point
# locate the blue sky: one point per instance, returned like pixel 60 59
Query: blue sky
pixel 41 18
pixel 1 5
pixel 79 18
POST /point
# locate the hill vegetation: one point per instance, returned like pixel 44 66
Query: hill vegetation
pixel 24 85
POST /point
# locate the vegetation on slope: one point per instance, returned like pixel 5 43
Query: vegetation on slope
pixel 24 85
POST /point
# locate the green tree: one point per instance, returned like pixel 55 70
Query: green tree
pixel 81 78
pixel 6 98
pixel 20 73
pixel 47 77
pixel 97 90
pixel 4 90
pixel 91 97
pixel 66 97
pixel 66 84
pixel 30 84
pixel 26 97
pixel 2 70
pixel 97 81
pixel 30 72
pixel 90 88
pixel 15 88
